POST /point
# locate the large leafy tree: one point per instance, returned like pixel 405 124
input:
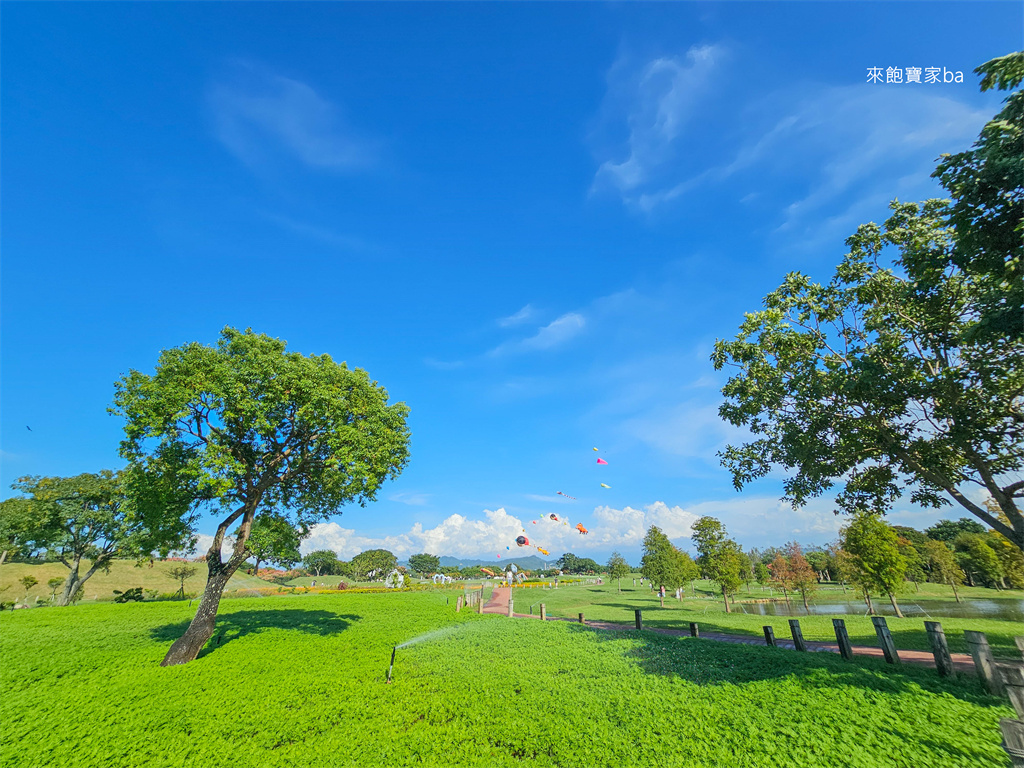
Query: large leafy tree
pixel 943 565
pixel 618 568
pixel 425 564
pixel 719 557
pixel 875 557
pixel 321 561
pixel 373 564
pixel 802 575
pixel 949 530
pixel 14 514
pixel 259 430
pixel 274 539
pixel 905 372
pixel 97 517
pixel 661 562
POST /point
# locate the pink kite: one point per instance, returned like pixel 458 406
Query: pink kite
pixel 567 495
pixel 601 461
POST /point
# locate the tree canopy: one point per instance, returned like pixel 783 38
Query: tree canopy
pixel 905 372
pixel 273 539
pixel 719 557
pixel 321 562
pixel 100 516
pixel 373 564
pixel 875 557
pixel 425 564
pixel 618 568
pixel 259 429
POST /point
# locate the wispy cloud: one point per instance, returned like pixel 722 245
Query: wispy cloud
pixel 259 115
pixel 412 499
pixel 658 100
pixel 321 234
pixel 552 335
pixel 523 315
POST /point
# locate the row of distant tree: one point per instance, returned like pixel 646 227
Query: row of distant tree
pixel 870 556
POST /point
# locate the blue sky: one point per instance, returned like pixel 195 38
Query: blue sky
pixel 529 222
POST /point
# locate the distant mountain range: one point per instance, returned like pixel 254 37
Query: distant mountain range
pixel 530 563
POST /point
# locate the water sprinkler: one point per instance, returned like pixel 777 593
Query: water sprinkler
pixel 393 649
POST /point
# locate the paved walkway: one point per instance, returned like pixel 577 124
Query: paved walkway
pixel 963 662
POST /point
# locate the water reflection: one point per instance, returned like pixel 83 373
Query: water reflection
pixel 1005 610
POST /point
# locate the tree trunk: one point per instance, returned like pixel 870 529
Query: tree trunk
pixel 803 593
pixel 3 556
pixel 867 599
pixel 725 595
pixel 785 593
pixel 188 646
pixel 70 583
pixel 917 587
pixel 955 593
pixel 844 586
pixel 620 586
pixel 892 599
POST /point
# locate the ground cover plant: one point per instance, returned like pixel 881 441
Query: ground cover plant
pixel 303 680
pixel 604 603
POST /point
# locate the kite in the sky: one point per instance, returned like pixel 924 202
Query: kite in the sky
pixel 567 496
pixel 522 541
pixel 595 449
pixel 580 528
pixel 601 461
pixel 553 517
pixel 543 551
pixel 605 485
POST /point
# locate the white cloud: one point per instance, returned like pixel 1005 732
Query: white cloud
pixel 552 335
pixel 662 98
pixel 258 114
pixel 522 316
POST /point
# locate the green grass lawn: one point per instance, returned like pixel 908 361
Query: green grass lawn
pixel 604 603
pixel 298 681
pixel 123 576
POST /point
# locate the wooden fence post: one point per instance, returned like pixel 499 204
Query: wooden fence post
pixel 977 644
pixel 940 650
pixel 1013 681
pixel 480 602
pixel 639 619
pixel 769 636
pixel 581 619
pixel 843 638
pixel 510 607
pixel 1019 640
pixel 885 639
pixel 458 605
pixel 543 612
pixel 1013 741
pixel 694 630
pixel 798 636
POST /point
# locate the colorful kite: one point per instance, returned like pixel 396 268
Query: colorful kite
pixel 595 449
pixel 601 461
pixel 567 496
pixel 522 541
pixel 604 485
pixel 553 517
pixel 543 551
pixel 580 528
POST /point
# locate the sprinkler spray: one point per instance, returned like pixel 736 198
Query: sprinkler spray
pixel 393 649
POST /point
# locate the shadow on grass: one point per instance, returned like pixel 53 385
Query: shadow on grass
pixel 233 625
pixel 709 662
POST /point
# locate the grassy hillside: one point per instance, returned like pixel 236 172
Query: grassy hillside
pixel 123 575
pixel 299 681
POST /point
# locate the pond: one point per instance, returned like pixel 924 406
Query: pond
pixel 1005 610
